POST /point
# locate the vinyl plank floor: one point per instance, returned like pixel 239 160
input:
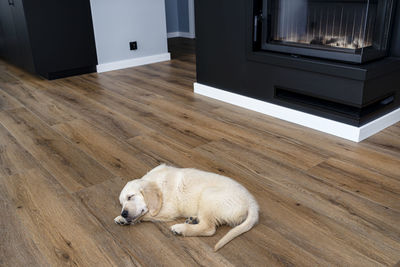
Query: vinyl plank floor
pixel 68 146
pixel 74 169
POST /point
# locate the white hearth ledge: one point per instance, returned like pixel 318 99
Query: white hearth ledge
pixel 349 132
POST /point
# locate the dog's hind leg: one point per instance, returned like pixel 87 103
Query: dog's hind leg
pixel 206 225
pixel 203 228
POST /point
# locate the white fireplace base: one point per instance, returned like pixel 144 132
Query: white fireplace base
pixel 349 132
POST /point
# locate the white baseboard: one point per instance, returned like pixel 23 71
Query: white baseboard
pixel 181 34
pixel 379 124
pixel 349 132
pixel 128 63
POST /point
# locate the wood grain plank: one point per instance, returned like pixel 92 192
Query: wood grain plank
pixel 73 168
pixel 102 116
pixel 17 247
pixel 63 231
pixel 286 150
pixel 36 101
pixel 331 146
pixel 164 149
pixel 173 87
pixel 167 70
pixel 50 100
pixel 150 71
pixel 7 101
pixel 100 84
pixel 5 76
pixel 181 65
pixel 19 75
pixel 386 141
pixel 13 157
pixel 152 119
pixel 115 155
pixel 360 227
pixel 360 182
pixel 171 90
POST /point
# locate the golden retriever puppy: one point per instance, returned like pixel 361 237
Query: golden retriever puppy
pixel 207 199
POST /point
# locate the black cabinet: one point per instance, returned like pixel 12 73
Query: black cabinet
pixel 9 35
pixel 51 38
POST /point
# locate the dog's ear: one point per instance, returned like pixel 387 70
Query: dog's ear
pixel 153 197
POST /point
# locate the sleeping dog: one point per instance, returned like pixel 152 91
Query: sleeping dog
pixel 207 199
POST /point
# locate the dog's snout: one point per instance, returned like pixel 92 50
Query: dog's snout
pixel 124 214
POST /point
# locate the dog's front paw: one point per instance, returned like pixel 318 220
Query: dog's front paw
pixel 120 220
pixel 178 229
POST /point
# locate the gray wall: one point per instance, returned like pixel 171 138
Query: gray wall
pixel 183 14
pixel 177 12
pixel 171 10
pixel 118 22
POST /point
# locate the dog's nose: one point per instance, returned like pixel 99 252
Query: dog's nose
pixel 124 214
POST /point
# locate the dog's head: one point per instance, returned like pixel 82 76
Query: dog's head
pixel 139 197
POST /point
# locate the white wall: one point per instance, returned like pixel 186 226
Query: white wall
pixel 118 22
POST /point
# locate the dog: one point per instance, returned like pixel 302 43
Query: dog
pixel 208 200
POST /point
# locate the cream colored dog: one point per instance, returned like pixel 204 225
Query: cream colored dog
pixel 207 199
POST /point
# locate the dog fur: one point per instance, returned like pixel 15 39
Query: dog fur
pixel 166 193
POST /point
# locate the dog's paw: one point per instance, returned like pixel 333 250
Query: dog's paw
pixel 178 229
pixel 192 220
pixel 120 220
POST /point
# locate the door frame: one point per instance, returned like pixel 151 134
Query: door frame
pixel 192 30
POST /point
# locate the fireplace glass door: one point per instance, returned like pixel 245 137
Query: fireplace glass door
pixel 347 30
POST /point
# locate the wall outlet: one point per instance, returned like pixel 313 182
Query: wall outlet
pixel 133 45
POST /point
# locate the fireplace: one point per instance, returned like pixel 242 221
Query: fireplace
pixel 353 31
pixel 333 59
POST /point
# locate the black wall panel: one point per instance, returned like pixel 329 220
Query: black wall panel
pixel 395 48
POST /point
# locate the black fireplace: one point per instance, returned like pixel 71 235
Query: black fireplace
pixel 345 30
pixel 338 59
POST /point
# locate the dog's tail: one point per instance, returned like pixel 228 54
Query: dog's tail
pixel 246 225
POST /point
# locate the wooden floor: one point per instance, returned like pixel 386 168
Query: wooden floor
pixel 67 147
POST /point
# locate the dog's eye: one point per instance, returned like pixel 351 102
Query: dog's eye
pixel 129 198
